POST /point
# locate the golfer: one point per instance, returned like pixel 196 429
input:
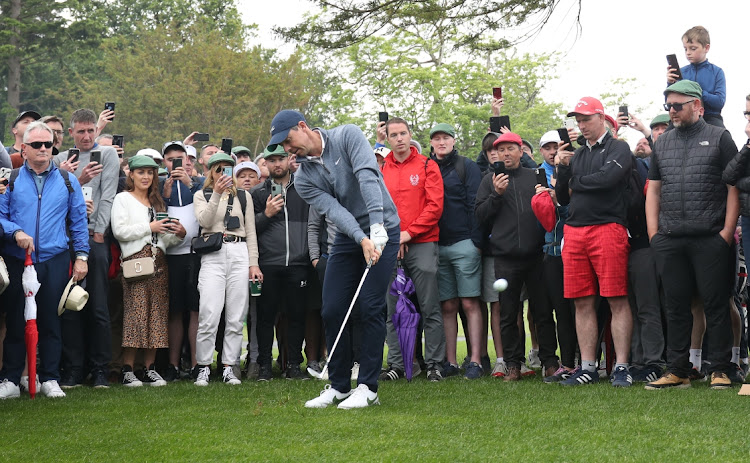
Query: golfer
pixel 338 176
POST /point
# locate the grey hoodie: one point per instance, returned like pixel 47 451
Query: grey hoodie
pixel 345 184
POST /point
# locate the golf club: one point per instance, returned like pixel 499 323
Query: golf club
pixel 324 374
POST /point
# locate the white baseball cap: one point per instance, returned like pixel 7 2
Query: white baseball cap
pixel 246 165
pixel 190 150
pixel 150 152
pixel 549 137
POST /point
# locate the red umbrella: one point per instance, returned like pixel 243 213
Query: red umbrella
pixel 31 335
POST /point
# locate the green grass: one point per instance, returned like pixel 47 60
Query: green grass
pixel 455 420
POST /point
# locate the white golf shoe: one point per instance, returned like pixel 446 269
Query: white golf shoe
pixel 8 390
pixel 328 396
pixel 24 383
pixel 361 397
pixel 52 389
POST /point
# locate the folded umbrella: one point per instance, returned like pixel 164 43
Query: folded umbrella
pixel 31 286
pixel 405 319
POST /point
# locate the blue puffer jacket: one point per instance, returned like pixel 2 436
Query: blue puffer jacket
pixel 458 222
pixel 43 215
pixel 712 81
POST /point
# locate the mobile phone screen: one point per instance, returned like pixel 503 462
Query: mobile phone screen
pixel 228 171
pixel 200 137
pixel 74 152
pixel 495 124
pixel 118 140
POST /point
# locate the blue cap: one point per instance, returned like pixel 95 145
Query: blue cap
pixel 282 122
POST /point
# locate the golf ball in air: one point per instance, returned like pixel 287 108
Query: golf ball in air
pixel 500 285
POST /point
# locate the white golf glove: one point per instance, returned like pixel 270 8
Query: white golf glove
pixel 378 236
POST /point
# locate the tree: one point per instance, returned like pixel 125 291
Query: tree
pixel 342 23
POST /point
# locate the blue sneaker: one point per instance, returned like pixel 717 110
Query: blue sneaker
pixel 581 377
pixel 473 371
pixel 646 375
pixel 621 377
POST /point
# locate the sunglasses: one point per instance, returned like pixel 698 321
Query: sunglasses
pixel 38 144
pixel 677 106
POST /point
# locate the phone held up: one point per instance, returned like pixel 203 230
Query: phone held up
pixel 382 116
pixel 563 133
pixel 176 163
pixel 228 171
pixel 497 92
pixel 624 111
pixel 96 156
pixel 672 61
pixel 226 145
pixel 498 167
pixel 200 136
pixel 110 105
pixel 118 140
pixel 74 152
pixel 541 178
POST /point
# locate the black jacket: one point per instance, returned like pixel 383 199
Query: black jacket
pixel 515 231
pixel 690 162
pixel 598 177
pixel 457 222
pixel 737 173
pixel 282 239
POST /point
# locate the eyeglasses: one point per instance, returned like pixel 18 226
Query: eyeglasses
pixel 677 106
pixel 38 144
pixel 59 132
pixel 747 114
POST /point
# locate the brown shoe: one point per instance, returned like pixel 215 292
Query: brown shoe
pixel 720 380
pixel 514 374
pixel 550 371
pixel 667 381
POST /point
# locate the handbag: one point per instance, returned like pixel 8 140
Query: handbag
pixel 142 267
pixel 4 278
pixel 204 244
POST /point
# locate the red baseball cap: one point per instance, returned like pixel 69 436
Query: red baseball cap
pixel 587 106
pixel 508 137
pixel 612 121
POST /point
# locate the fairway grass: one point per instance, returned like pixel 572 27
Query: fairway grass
pixel 454 420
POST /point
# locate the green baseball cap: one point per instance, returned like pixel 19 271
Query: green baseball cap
pixel 140 162
pixel 277 150
pixel 444 128
pixel 660 119
pixel 241 149
pixel 685 87
pixel 220 157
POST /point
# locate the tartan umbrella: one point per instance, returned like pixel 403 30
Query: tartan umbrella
pixel 405 319
pixel 31 334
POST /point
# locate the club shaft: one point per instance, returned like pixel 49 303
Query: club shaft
pixel 346 318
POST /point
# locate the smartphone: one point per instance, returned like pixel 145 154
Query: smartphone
pixel 118 140
pixel 96 156
pixel 382 116
pixel 5 173
pixel 497 92
pixel 226 145
pixel 200 137
pixel 110 105
pixel 498 167
pixel 276 189
pixel 505 122
pixel 565 137
pixel 74 152
pixel 177 162
pixel 569 123
pixel 495 124
pixel 228 171
pixel 87 192
pixel 672 61
pixel 541 178
pixel 624 111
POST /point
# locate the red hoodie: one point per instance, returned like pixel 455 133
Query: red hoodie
pixel 416 187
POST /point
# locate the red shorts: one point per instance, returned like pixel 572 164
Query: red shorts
pixel 595 260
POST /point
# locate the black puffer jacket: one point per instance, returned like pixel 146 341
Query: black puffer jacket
pixel 689 162
pixel 282 239
pixel 737 173
pixel 515 231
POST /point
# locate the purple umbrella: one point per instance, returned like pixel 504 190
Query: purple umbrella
pixel 405 319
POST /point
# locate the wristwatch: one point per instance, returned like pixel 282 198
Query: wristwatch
pixel 82 258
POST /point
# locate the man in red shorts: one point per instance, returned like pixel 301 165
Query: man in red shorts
pixel 593 180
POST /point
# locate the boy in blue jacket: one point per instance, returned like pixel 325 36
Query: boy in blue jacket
pixel 710 77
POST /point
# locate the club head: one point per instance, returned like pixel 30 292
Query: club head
pixel 323 375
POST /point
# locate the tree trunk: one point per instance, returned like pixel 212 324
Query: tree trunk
pixel 14 62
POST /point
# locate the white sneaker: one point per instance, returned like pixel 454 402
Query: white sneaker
pixel 8 390
pixel 24 383
pixel 52 389
pixel 534 361
pixel 129 379
pixel 152 378
pixel 500 370
pixel 361 397
pixel 526 371
pixel 355 371
pixel 230 377
pixel 328 396
pixel 202 379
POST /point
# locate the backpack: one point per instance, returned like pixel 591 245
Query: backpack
pixel 64 173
